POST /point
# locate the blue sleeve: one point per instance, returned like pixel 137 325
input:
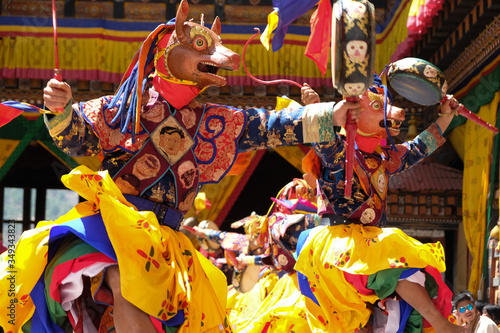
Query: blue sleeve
pixel 289 126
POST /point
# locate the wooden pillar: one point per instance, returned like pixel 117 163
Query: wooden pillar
pixel 450 256
pixel 2 190
pixel 41 199
pixel 26 208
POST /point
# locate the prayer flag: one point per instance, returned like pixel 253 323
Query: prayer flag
pixel 12 109
pixel 287 11
pixel 318 46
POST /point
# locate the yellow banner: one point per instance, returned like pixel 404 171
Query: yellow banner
pixel 477 164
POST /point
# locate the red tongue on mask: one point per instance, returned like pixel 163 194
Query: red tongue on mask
pixel 177 95
pixel 368 144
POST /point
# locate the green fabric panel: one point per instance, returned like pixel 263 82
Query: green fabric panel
pixel 26 327
pixel 15 129
pixel 479 95
pixel 414 323
pixel 384 282
pixel 171 329
pixel 25 131
pixel 68 250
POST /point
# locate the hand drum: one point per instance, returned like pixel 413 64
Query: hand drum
pixel 353 46
pixel 423 83
pixel 353 56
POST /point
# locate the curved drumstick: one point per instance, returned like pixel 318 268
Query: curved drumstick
pixel 233 260
pixel 258 80
pixel 57 71
pixel 471 116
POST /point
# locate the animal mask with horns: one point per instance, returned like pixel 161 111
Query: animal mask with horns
pixel 182 57
pixel 379 119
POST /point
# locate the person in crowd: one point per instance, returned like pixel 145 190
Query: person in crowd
pixel 468 317
pixel 492 311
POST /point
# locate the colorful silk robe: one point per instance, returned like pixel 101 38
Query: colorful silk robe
pixel 173 155
pixel 177 151
pixel 344 267
pixel 371 176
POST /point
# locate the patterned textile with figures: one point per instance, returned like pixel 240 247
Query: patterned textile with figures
pixel 372 172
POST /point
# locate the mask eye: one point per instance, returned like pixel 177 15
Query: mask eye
pixel 199 43
pixel 375 105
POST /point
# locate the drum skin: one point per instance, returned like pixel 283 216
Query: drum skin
pixel 245 280
pixel 417 80
pixel 207 245
pixel 353 46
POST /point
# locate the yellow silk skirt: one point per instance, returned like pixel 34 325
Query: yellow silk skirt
pixel 161 272
pixel 283 310
pixel 359 250
pixel 241 306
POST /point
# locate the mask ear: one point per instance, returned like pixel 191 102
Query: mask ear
pixel 216 27
pixel 180 18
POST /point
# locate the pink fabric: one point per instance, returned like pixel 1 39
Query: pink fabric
pixel 417 27
pixel 2 247
pixel 61 271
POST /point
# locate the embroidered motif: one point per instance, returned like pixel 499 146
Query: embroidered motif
pixel 146 166
pixel 128 184
pixel 158 192
pixel 216 150
pixel 171 140
pixel 429 140
pixel 154 114
pixel 379 181
pixel 289 136
pixel 110 136
pixel 368 216
pixel 187 173
pixel 273 139
pixel 188 117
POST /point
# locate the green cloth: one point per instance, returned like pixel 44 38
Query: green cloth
pixel 384 284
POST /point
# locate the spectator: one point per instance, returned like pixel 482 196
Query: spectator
pixel 479 306
pixel 468 316
pixel 492 311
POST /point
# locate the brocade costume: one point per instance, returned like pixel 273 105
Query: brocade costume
pixel 133 208
pixel 352 259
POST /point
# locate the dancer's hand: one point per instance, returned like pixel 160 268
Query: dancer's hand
pixel 56 95
pixel 308 95
pixel 341 109
pixel 449 106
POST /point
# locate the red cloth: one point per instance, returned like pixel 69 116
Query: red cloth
pixel 177 95
pixel 8 113
pixel 318 45
pixel 2 248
